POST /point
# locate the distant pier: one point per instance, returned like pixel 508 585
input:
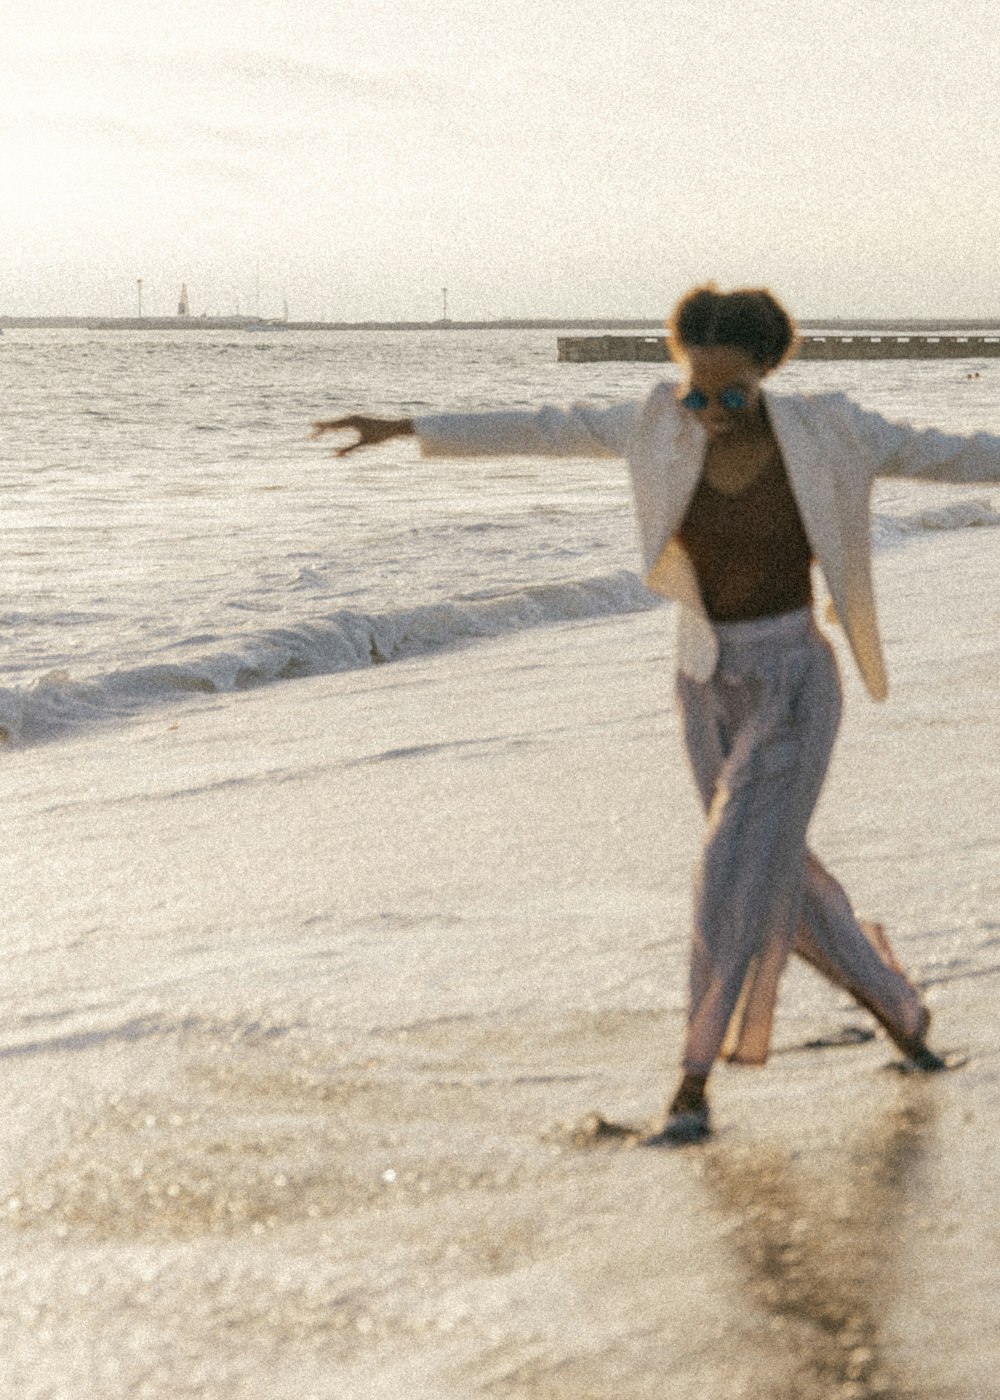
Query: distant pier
pixel 835 345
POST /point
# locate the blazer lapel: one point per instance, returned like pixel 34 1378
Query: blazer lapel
pixel 813 484
pixel 666 460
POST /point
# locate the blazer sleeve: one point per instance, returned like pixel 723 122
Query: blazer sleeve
pixel 926 454
pixel 580 430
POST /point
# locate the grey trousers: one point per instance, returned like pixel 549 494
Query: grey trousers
pixel 759 736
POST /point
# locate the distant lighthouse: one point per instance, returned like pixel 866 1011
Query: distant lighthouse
pixel 183 309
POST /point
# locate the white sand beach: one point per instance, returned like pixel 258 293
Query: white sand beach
pixel 303 983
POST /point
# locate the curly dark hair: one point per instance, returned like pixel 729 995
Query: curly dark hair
pixel 749 319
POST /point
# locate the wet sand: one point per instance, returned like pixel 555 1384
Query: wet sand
pixel 307 1000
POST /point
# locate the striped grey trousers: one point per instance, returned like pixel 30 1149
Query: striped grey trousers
pixel 759 736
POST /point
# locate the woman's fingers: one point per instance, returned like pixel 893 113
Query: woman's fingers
pixel 369 430
pixel 332 425
pixel 338 425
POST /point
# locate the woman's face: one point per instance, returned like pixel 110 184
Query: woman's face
pixel 722 385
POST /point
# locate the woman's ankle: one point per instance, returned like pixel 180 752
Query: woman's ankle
pixel 690 1095
pixel 914 1045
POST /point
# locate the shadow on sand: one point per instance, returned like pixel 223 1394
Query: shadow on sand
pixel 822 1257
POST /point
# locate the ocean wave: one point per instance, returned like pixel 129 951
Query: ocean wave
pixel 969 513
pixel 57 703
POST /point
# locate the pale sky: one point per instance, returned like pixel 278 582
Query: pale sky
pixel 537 157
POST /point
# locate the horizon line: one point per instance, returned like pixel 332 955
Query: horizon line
pixel 652 323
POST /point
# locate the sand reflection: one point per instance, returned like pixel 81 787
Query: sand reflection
pixel 822 1254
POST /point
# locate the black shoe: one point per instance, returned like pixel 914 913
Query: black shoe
pixel 683 1126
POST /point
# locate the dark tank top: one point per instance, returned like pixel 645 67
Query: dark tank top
pixel 749 551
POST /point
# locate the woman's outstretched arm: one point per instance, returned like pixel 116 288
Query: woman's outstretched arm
pixel 580 430
pixel 925 454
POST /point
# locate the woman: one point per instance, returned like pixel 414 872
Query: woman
pixel 738 491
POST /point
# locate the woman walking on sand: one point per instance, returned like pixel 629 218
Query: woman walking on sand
pixel 738 491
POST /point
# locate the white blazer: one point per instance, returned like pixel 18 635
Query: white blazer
pixel 833 451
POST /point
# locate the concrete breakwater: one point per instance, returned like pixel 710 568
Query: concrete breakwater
pixel 858 345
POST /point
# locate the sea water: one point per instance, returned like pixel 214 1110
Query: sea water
pixel 169 527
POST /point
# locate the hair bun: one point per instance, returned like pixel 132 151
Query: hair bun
pixel 749 319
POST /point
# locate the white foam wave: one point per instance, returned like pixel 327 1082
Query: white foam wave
pixel 57 703
pixel 968 513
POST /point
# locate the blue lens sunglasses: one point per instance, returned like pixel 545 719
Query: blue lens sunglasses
pixel 733 399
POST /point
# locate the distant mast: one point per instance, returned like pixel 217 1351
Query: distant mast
pixel 183 309
pixel 444 307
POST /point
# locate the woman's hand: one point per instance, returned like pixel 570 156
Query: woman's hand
pixel 369 430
